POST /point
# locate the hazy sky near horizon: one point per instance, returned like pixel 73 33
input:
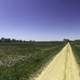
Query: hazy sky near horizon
pixel 40 19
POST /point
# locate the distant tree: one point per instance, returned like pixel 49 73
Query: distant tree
pixel 77 40
pixel 13 40
pixel 66 40
pixel 8 40
pixel 19 41
pixel 2 39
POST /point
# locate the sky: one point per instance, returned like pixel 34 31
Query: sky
pixel 40 20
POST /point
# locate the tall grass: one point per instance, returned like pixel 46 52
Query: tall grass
pixel 76 50
pixel 21 61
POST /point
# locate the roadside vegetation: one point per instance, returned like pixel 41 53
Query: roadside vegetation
pixel 76 49
pixel 20 60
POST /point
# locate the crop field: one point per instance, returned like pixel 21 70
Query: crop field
pixel 21 61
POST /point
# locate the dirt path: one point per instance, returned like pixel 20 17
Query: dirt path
pixel 62 67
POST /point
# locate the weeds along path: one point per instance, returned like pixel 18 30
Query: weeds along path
pixel 62 67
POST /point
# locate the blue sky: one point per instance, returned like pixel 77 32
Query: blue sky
pixel 40 19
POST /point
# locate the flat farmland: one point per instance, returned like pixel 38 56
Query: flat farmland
pixel 21 61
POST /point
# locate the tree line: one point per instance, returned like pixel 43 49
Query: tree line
pixel 11 40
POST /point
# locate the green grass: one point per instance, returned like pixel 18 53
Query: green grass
pixel 21 61
pixel 76 50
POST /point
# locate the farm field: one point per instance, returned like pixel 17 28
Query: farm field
pixel 76 49
pixel 21 61
pixel 39 39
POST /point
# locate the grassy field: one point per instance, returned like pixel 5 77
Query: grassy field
pixel 76 50
pixel 20 61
